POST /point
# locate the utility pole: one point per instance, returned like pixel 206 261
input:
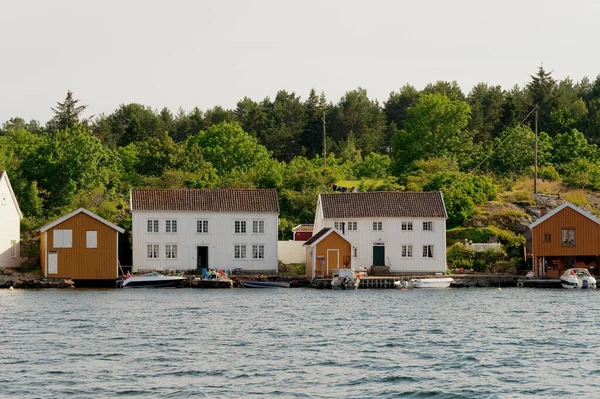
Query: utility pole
pixel 324 139
pixel 535 167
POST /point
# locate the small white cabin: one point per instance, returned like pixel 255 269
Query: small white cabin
pixel 10 224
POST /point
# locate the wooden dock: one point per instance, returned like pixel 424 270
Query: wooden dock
pixel 212 283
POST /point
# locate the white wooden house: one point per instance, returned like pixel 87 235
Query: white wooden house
pixel 195 229
pixel 405 231
pixel 10 224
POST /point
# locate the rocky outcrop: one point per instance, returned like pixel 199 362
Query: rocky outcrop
pixel 11 281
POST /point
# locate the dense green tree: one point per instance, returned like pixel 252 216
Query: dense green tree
pixel 186 125
pixel 312 136
pixel 449 89
pixel 435 127
pixel 67 114
pixel 542 92
pixel 396 107
pixel 570 146
pixel 486 110
pixel 514 151
pixel 287 118
pixel 217 115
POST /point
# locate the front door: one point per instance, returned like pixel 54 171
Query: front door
pixel 202 258
pixel 378 255
pixel 333 260
pixel 52 263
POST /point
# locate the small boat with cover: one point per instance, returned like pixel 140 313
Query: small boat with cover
pixel 345 279
pixel 264 284
pixel 578 278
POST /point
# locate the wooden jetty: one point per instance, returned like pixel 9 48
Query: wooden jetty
pixel 211 283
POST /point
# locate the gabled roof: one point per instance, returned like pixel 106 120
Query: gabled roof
pixel 304 227
pixel 206 200
pixel 314 240
pixel 560 208
pixel 4 175
pixel 381 204
pixel 70 215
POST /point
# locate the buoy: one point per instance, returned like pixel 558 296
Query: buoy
pixel 499 289
pixel 11 288
pixel 520 284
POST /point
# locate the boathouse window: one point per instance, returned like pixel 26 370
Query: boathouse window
pixel 240 227
pixel 355 251
pixel 428 251
pixel 568 237
pixel 407 251
pixel 239 251
pixel 91 239
pixel 63 238
pixel 171 226
pixel 258 226
pixel 13 248
pixel 201 226
pixel 377 226
pixel 407 226
pixel 258 251
pixel 152 226
pixel 152 251
pixel 427 226
pixel 171 251
pixel 352 226
pixel 547 237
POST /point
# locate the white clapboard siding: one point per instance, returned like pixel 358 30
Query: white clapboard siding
pixel 220 240
pixel 10 226
pixel 393 237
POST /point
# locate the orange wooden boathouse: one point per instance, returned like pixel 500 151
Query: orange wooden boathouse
pixel 564 238
pixel 80 246
pixel 325 251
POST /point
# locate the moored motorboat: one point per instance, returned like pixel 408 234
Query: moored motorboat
pixel 263 284
pixel 345 279
pixel 434 282
pixel 152 280
pixel 577 278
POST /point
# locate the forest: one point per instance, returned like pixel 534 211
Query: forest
pixel 467 145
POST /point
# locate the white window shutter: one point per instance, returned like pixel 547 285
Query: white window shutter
pixel 91 239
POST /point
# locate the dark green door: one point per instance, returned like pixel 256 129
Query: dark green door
pixel 202 258
pixel 378 256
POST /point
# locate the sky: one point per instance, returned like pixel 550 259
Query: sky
pixel 204 53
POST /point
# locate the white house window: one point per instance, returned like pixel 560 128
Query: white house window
pixel 352 226
pixel 355 252
pixel 152 251
pixel 258 251
pixel 377 226
pixel 171 251
pixel 427 226
pixel 239 251
pixel 428 251
pixel 63 238
pixel 337 225
pixel 201 226
pixel 407 251
pixel 407 226
pixel 240 227
pixel 258 226
pixel 171 226
pixel 91 239
pixel 13 248
pixel 152 226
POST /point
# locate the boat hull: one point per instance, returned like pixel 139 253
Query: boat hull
pixel 175 282
pixel 433 282
pixel 264 284
pixel 579 284
pixel 340 284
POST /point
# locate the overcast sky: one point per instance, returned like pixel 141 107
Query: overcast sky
pixel 206 53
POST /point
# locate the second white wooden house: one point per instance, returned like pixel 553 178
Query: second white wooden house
pixel 193 229
pixel 405 231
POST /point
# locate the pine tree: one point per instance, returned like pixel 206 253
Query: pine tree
pixel 67 113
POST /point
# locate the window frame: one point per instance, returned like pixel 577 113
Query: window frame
pixel 566 241
pixel 407 226
pixel 89 241
pixel 237 225
pixel 171 251
pixel 202 223
pixel 171 226
pixel 377 226
pixel 239 251
pixel 152 226
pixel 427 251
pixel 153 249
pixel 352 226
pixel 428 226
pixel 257 251
pixel 547 237
pixel 62 238
pixel 256 226
pixel 406 251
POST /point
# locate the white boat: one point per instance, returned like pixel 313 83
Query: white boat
pixel 345 279
pixel 578 278
pixel 153 279
pixel 405 284
pixel 441 282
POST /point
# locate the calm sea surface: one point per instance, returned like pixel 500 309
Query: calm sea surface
pixel 299 343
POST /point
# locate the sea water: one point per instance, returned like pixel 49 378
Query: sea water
pixel 299 343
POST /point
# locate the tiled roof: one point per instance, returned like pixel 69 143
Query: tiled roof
pixel 382 204
pixel 303 227
pixel 317 236
pixel 206 200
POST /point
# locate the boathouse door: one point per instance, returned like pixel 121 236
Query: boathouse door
pixel 333 260
pixel 52 263
pixel 202 257
pixel 378 255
